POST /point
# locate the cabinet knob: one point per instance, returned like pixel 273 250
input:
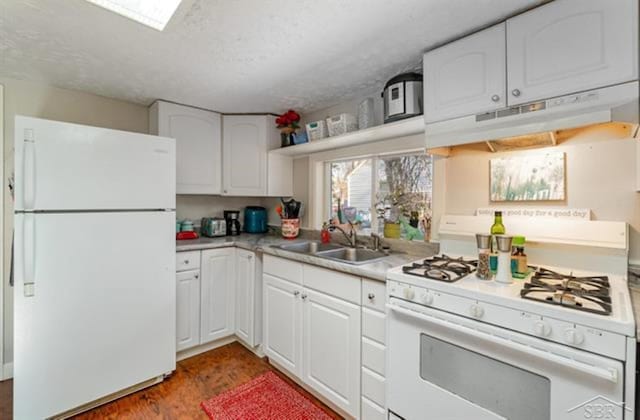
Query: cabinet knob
pixel 249 257
pixel 304 297
pixel 197 276
pixel 495 98
pixel 515 92
pixel 371 296
pixel 225 191
pixel 186 261
pixel 296 293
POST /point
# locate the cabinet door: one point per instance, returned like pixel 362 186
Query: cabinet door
pixel 217 294
pixel 245 302
pixel 283 323
pixel 568 46
pixel 245 145
pixel 465 77
pixel 198 135
pixel 187 309
pixel 331 355
pixel 280 176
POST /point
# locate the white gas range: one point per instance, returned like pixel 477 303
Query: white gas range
pixel 559 344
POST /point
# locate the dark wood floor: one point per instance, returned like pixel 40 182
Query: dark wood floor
pixel 195 380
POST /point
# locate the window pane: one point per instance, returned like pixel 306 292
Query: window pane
pixel 351 190
pixel 404 195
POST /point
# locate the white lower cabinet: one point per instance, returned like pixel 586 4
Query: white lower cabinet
pixel 188 309
pixel 248 305
pixel 331 348
pixel 373 350
pixel 217 294
pixel 315 334
pixel 283 323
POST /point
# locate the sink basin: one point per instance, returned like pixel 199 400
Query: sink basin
pixel 311 247
pixel 353 256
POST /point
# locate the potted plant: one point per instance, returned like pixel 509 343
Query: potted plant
pixel 288 123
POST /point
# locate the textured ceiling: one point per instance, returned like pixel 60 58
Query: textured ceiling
pixel 234 55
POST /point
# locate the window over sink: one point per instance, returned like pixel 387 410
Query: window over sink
pixel 387 194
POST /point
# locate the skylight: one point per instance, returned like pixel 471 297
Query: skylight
pixel 153 13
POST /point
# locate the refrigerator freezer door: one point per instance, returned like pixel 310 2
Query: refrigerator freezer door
pixel 62 166
pixel 101 317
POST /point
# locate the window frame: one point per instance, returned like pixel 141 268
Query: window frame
pixel 375 158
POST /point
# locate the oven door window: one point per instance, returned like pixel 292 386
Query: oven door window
pixel 501 388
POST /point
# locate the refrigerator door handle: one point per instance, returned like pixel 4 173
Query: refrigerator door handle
pixel 29 254
pixel 29 170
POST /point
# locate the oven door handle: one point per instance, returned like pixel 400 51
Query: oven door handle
pixel 609 374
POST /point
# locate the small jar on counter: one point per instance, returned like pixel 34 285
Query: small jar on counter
pixel 518 257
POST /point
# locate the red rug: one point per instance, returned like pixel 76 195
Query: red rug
pixel 266 397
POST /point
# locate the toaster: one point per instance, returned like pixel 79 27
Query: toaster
pixel 213 226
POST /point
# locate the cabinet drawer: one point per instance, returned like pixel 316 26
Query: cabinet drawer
pixel 374 294
pixel 340 285
pixel 373 356
pixel 373 325
pixel 188 260
pixel 372 411
pixel 373 386
pixel 283 268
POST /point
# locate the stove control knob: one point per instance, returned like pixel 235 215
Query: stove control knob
pixel 409 293
pixel 541 328
pixel 573 336
pixel 476 311
pixel 426 298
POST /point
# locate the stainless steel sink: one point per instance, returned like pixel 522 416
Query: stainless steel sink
pixel 353 256
pixel 334 252
pixel 311 247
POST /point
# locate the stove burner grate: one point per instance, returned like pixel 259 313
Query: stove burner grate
pixel 589 294
pixel 441 268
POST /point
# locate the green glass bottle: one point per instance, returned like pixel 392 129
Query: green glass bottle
pixel 496 229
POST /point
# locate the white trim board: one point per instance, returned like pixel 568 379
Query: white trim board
pixel 4 367
pixel 7 371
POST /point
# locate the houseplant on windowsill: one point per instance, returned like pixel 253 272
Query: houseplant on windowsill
pixel 287 123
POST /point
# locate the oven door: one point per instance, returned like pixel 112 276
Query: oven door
pixel 444 366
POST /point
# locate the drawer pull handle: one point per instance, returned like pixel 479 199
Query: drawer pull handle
pixel 371 296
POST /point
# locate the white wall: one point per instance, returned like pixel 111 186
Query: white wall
pixel 195 207
pixel 600 170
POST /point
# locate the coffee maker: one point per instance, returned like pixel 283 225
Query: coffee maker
pixel 232 217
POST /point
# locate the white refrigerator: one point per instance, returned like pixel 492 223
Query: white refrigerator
pixel 94 265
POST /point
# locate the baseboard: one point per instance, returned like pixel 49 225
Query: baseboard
pixel 7 371
pixel 194 351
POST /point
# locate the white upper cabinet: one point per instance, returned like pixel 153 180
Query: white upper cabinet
pixel 466 77
pixel 217 290
pixel 198 145
pixel 569 46
pixel 246 141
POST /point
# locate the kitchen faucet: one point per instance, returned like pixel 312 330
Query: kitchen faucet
pixel 351 237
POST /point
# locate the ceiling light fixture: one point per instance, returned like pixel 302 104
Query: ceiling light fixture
pixel 153 13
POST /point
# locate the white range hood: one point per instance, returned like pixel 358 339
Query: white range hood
pixel 618 103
